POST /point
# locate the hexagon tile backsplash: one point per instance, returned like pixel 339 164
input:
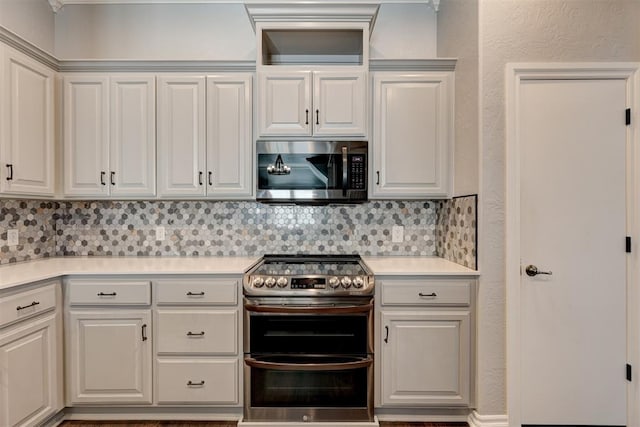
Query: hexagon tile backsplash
pixel 218 228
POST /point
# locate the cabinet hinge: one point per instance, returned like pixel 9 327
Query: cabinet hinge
pixel 628 116
pixel 627 244
pixel 628 372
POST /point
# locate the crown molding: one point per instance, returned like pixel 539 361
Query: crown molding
pixel 156 66
pixel 58 4
pixel 437 64
pixel 15 41
pixel 313 12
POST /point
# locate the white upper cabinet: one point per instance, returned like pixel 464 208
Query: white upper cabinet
pixel 229 136
pixel 337 107
pixel 133 136
pixel 109 135
pixel 339 103
pixel 312 69
pixel 86 135
pixel 205 136
pixel 181 136
pixel 284 103
pixel 412 135
pixel 26 125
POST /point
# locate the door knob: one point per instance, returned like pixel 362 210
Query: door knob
pixel 532 270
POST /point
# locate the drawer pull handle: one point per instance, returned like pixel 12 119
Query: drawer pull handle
pixel 386 334
pixel 198 384
pixel 195 334
pixel 144 332
pixel 33 304
pixel 432 295
pixel 195 294
pixel 107 294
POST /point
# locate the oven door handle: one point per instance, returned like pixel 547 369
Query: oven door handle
pixel 343 366
pixel 309 309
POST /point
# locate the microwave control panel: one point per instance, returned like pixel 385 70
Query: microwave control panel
pixel 357 172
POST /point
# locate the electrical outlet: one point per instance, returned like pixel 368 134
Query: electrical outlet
pixel 160 233
pixel 397 234
pixel 12 237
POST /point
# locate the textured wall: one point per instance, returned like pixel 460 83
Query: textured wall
pixel 33 20
pixel 527 31
pixel 458 38
pixel 155 31
pixel 208 228
pixel 213 32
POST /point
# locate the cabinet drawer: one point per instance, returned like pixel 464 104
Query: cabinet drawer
pixel 187 291
pixel 210 381
pixel 426 292
pixel 26 304
pixel 197 331
pixel 96 292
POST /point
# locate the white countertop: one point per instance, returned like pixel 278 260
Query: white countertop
pixel 46 268
pixel 416 266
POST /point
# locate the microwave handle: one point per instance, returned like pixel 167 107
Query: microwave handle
pixel 345 167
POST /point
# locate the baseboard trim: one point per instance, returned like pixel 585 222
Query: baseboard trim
pixel 477 420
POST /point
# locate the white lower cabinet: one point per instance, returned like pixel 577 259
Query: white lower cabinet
pixel 198 381
pixel 109 359
pixel 425 346
pixel 197 325
pixel 109 346
pixel 30 357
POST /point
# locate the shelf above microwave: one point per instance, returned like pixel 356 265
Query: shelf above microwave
pixel 312 46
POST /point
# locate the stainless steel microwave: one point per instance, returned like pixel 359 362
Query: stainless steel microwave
pixel 311 172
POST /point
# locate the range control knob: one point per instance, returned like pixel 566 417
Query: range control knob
pixel 334 282
pixel 346 282
pixel 281 282
pixel 257 282
pixel 270 282
pixel 358 282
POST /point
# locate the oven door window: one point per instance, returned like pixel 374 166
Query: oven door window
pixel 319 334
pixel 280 387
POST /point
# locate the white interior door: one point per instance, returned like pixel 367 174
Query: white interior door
pixel 573 336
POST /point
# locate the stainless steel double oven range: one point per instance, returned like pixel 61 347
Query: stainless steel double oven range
pixel 308 339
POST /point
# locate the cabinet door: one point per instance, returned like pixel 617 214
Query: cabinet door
pixel 86 135
pixel 27 126
pixel 29 364
pixel 412 135
pixel 109 356
pixel 284 105
pixel 339 103
pixel 425 358
pixel 229 136
pixel 181 136
pixel 133 136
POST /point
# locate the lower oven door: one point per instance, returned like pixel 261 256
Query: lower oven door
pixel 308 388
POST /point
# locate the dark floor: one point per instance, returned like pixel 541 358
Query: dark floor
pixel 220 424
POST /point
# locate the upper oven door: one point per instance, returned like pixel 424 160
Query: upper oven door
pixel 311 170
pixel 316 328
